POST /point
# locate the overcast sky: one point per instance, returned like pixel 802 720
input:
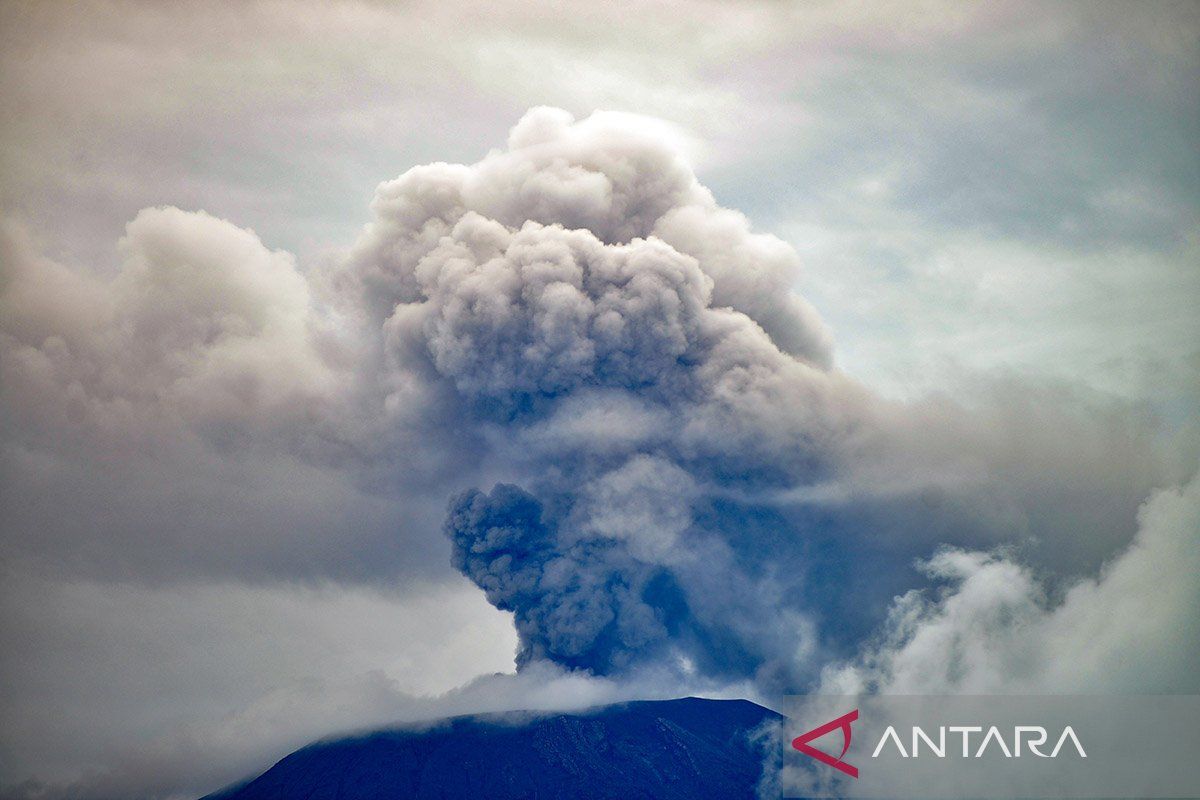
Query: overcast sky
pixel 954 334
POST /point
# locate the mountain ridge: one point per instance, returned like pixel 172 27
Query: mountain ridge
pixel 638 750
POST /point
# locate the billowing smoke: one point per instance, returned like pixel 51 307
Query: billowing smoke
pixel 612 176
pixel 684 454
pixel 616 330
pixel 669 468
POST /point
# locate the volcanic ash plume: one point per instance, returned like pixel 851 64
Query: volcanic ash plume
pixel 658 398
pixel 675 475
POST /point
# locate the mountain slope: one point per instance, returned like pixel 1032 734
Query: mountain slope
pixel 668 750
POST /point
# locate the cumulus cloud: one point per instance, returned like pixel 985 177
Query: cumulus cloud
pixel 993 628
pixel 202 391
pixel 202 321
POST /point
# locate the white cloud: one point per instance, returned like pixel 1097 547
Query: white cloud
pixel 994 629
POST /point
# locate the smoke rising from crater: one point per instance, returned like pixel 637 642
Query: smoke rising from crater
pixel 691 478
pixel 668 468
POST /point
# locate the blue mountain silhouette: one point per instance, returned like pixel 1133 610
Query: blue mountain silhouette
pixel 666 750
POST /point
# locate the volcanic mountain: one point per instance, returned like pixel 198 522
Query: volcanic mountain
pixel 643 750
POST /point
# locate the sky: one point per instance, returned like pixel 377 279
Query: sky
pixel 363 363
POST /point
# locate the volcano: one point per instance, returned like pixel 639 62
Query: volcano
pixel 666 750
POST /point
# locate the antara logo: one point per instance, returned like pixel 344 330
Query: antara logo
pixel 801 743
pixel 1034 738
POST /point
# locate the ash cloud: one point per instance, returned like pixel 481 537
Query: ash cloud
pixel 547 296
pixel 650 458
pixel 573 315
pixel 612 175
pixel 692 480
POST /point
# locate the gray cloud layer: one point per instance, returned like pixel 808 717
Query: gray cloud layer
pixel 697 495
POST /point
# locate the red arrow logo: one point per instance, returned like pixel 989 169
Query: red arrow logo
pixel 801 743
